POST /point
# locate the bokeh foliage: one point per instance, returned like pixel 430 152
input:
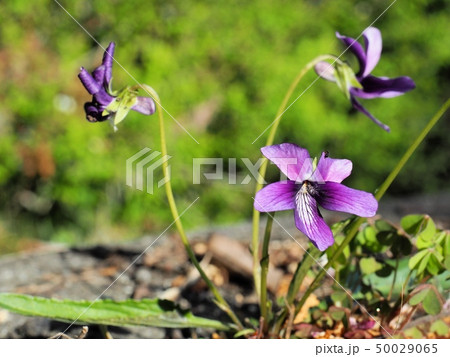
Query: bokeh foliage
pixel 221 69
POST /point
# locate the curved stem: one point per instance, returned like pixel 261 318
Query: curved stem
pixel 380 192
pixel 354 227
pixel 220 301
pixel 263 168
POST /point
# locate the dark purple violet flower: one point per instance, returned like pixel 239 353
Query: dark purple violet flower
pixel 105 103
pixel 367 85
pixel 308 187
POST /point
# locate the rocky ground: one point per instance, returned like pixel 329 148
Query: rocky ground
pixel 157 266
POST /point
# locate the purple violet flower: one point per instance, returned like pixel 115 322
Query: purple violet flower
pixel 369 86
pixel 98 85
pixel 307 187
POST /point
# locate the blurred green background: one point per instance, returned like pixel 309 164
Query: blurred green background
pixel 221 69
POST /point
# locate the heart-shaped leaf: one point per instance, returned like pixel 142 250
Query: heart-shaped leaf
pixel 440 328
pixel 428 296
pixel 412 223
pixel 434 266
pixel 369 265
pixel 414 261
pixel 432 303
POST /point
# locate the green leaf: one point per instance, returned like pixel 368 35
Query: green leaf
pixel 434 266
pixel 413 332
pixel 338 296
pixel 424 262
pixel 412 223
pixel 370 241
pixel 447 262
pixel 427 234
pixel 121 105
pixel 248 331
pixel 336 313
pixel 340 299
pixel 383 284
pixel 418 297
pixel 437 253
pixel 146 312
pixel 414 261
pixel 343 257
pixel 339 227
pixel 432 303
pixel 440 237
pixel 323 305
pixel 447 244
pixel 442 281
pixel 345 79
pixel 440 328
pixel 383 226
pixel 369 265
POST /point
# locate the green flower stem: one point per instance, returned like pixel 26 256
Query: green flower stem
pixel 380 192
pixel 310 258
pixel 262 171
pixel 302 269
pixel 264 271
pixel 354 226
pixel 220 301
pixel 393 279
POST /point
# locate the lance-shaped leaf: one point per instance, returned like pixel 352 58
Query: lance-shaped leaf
pixel 146 312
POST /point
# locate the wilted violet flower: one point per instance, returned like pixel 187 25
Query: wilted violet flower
pixel 308 187
pixel 359 329
pixel 366 86
pixel 105 103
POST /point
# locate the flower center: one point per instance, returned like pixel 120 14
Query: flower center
pixel 308 187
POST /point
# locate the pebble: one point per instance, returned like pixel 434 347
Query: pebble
pixel 143 276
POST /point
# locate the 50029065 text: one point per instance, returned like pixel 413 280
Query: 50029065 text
pixel 404 348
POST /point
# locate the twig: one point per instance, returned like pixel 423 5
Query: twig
pixel 81 336
pixel 290 322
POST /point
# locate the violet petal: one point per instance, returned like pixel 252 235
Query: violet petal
pixel 278 196
pixel 94 113
pixel 366 325
pixel 337 197
pixel 374 45
pixel 309 221
pixel 357 50
pixel 334 170
pixel 357 105
pixel 103 98
pixel 108 57
pixel 291 159
pixel 91 112
pixel 88 81
pixel 99 74
pixel 374 87
pixel 325 70
pixel 144 105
